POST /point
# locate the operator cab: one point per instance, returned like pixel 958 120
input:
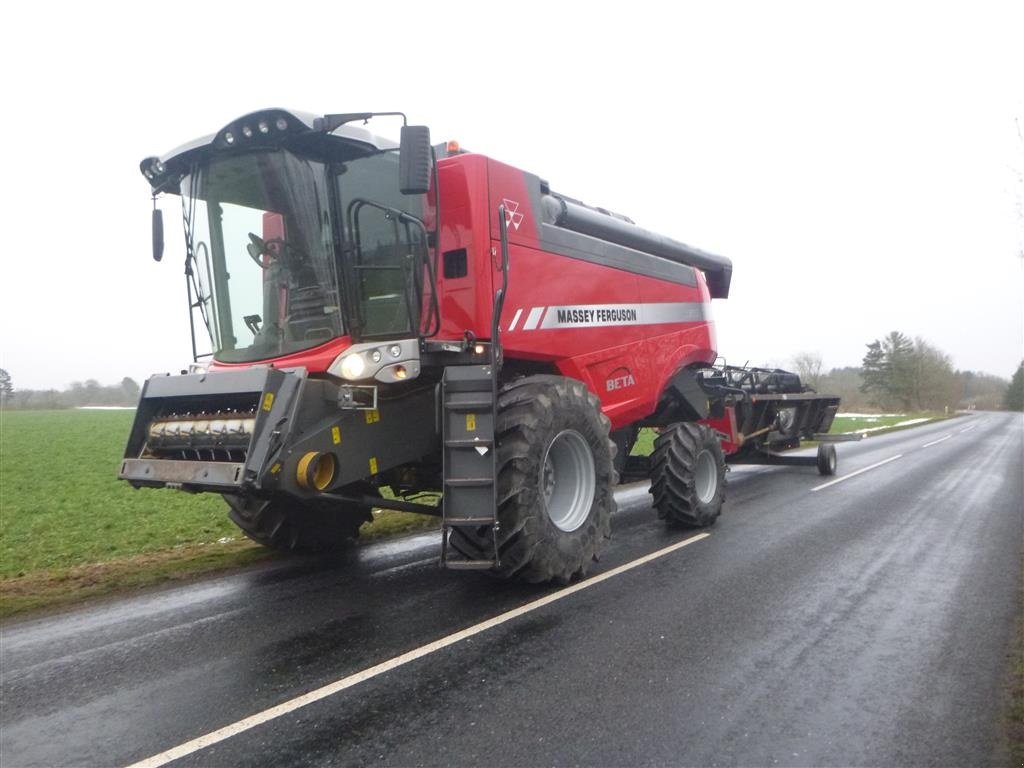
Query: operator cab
pixel 301 231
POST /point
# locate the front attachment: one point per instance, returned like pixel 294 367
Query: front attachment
pixel 209 432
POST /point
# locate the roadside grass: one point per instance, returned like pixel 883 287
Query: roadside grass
pixel 886 422
pixel 70 530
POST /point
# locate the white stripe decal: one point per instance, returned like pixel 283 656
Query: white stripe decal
pixel 515 319
pixel 533 318
pixel 603 315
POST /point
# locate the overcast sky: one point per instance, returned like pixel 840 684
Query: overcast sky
pixel 858 162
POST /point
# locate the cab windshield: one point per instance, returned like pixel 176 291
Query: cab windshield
pixel 259 228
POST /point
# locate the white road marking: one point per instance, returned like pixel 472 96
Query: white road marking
pixel 858 472
pixel 222 734
pixel 936 442
pixel 968 429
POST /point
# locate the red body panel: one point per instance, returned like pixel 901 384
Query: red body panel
pixel 611 338
pixel 726 431
pixel 315 360
pixel 626 364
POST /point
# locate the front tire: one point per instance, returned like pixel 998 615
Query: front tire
pixel 554 485
pixel 688 475
pixel 289 525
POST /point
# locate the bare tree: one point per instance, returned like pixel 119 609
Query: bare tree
pixel 809 366
pixel 934 384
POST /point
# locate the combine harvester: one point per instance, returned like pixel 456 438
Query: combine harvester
pixel 437 322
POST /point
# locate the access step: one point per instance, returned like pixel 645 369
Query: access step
pixel 468 414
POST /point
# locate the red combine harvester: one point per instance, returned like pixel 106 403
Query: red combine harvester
pixel 435 322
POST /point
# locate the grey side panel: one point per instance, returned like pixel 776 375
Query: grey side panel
pixel 590 249
pixel 605 225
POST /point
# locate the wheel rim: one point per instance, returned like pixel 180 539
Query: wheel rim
pixel 568 480
pixel 705 477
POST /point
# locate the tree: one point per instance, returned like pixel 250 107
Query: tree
pixel 846 383
pixel 130 389
pixel 1014 398
pixel 909 375
pixel 981 391
pixel 6 386
pixel 875 372
pixel 808 365
pixel 888 371
pixel 932 381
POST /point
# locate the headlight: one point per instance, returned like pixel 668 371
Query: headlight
pixel 387 362
pixel 353 366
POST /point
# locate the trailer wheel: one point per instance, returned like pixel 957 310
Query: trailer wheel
pixel 688 475
pixel 555 482
pixel 826 459
pixel 289 525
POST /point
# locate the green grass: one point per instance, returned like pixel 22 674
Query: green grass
pixel 882 422
pixel 69 529
pixel 61 504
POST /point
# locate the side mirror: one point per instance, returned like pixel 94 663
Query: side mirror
pixel 414 160
pixel 158 234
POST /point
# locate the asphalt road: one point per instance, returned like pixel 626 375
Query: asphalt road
pixel 863 623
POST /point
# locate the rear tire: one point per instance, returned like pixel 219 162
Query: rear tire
pixel 290 525
pixel 688 475
pixel 554 486
pixel 827 460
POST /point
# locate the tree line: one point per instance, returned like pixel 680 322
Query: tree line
pixel 80 393
pixel 898 373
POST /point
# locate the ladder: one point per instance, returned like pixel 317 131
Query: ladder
pixel 470 467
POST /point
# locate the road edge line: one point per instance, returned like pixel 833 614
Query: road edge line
pixel 279 710
pixel 858 472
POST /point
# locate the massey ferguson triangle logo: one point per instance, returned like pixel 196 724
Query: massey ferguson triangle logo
pixel 512 214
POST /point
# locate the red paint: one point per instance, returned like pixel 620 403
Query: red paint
pixel 626 366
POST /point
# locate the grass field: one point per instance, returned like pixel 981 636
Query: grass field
pixel 67 523
pixel 61 504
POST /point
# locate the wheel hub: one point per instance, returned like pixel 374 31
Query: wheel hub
pixel 705 477
pixel 568 480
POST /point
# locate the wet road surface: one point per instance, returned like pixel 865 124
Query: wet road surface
pixel 862 623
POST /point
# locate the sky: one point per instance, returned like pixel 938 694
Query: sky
pixel 859 162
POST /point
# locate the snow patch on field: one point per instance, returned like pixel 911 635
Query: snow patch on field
pixel 906 423
pixel 872 416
